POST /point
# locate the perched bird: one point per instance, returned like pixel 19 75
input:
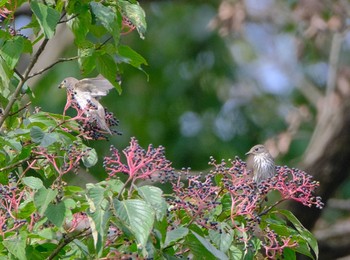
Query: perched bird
pixel 263 163
pixel 86 93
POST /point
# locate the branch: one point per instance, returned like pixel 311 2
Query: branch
pixel 65 241
pixel 19 110
pixel 51 65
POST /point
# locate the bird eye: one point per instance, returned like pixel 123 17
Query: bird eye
pixel 65 81
pixel 256 149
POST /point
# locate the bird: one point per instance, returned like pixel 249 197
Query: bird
pixel 86 93
pixel 263 163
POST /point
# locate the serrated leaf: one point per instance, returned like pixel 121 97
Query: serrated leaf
pixel 197 249
pixel 175 235
pixel 87 60
pixel 153 196
pixel 56 213
pixel 222 239
pixel 16 245
pixel 98 215
pixel 137 216
pixel 106 65
pixel 80 24
pixel 306 234
pixel 136 15
pixel 13 49
pixel 212 249
pixel 131 57
pixel 42 198
pixel 25 210
pixel 108 18
pixel 47 17
pixel 33 182
pixel 5 75
pixel 98 222
pixel 36 134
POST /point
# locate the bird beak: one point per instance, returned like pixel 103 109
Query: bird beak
pixel 61 85
pixel 250 152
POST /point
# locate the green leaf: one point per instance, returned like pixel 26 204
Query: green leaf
pixel 222 239
pixel 44 139
pixel 306 234
pixel 36 134
pixel 106 65
pixel 175 235
pixel 80 24
pixel 98 214
pixel 131 57
pixel 212 249
pixel 136 15
pixel 5 75
pixel 153 196
pixel 87 60
pixel 47 17
pixel 42 199
pixel 33 182
pixel 90 159
pixel 289 254
pixel 197 249
pixel 25 210
pixel 56 213
pixel 108 19
pixel 137 216
pixel 16 245
pixel 12 50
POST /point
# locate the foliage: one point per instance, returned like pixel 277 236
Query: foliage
pixel 221 215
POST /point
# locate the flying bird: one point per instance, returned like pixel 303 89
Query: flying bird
pixel 86 94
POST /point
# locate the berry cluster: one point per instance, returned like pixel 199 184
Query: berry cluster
pixel 198 199
pixel 127 26
pixel 10 199
pixel 247 196
pixel 66 160
pixel 141 164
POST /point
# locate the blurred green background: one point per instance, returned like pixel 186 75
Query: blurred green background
pixel 201 98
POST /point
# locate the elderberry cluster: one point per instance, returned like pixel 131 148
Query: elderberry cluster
pixel 198 199
pixel 141 164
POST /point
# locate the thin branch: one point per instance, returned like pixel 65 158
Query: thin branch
pixel 18 74
pixel 22 81
pixel 15 164
pixel 66 240
pixel 51 65
pixel 70 18
pixel 271 207
pixel 19 110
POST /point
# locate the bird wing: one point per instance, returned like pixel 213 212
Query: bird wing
pixel 97 87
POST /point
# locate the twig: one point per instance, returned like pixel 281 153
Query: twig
pixel 19 110
pixel 269 208
pixel 70 18
pixel 66 240
pixel 51 65
pixel 22 81
pixel 15 164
